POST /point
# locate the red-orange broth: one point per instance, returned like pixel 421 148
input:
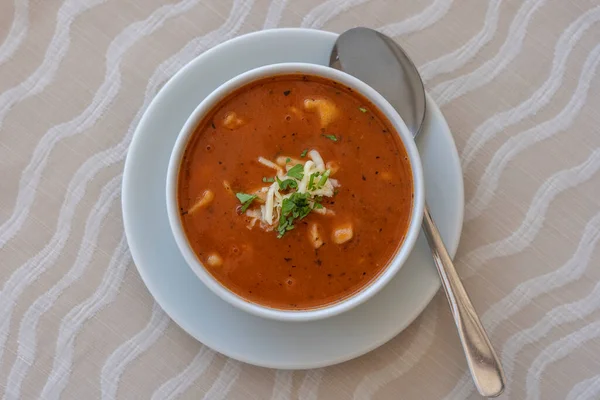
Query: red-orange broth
pixel 272 118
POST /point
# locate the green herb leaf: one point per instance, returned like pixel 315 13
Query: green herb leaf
pixel 287 206
pixel 318 206
pixel 287 184
pixel 265 179
pixel 362 109
pixel 330 137
pixel 311 181
pixel 287 160
pixel 304 152
pixel 245 199
pixel 285 224
pixel 294 207
pixel 297 171
pixel 323 179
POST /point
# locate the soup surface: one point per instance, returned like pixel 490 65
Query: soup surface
pixel 295 192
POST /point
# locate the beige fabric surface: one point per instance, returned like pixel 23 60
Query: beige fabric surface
pixel 518 84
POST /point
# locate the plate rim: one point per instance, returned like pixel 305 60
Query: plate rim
pixel 160 298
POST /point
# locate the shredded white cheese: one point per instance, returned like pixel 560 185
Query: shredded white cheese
pixel 268 217
pixel 316 157
pixel 270 164
pixel 308 167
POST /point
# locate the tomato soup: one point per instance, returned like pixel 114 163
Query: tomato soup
pixel 295 192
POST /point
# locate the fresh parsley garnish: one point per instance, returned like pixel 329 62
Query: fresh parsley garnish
pixel 293 208
pixel 297 171
pixel 303 154
pixel 330 137
pixel 287 160
pixel 362 109
pixel 287 184
pixel 323 179
pixel 311 181
pixel 265 179
pixel 285 224
pixel 245 199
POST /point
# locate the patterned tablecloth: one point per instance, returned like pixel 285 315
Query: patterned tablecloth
pixel 517 82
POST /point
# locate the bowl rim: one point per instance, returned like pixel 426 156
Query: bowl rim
pixel 192 259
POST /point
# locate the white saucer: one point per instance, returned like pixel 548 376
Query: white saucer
pixel 208 318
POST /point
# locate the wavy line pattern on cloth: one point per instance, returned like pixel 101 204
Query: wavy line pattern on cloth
pixel 130 350
pixel 34 267
pixel 56 51
pixel 282 388
pixel 447 91
pixel 588 389
pixel 560 315
pixel 527 291
pixel 321 14
pixel 27 338
pixel 429 16
pixel 228 375
pixel 309 389
pixel 423 339
pixel 18 30
pixel 535 216
pixel 73 321
pixel 104 96
pixel 176 386
pixel 556 351
pixel 459 57
pixel 488 183
pixel 540 98
pixel 274 13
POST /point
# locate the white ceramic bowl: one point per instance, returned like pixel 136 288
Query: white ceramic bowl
pixel 173 209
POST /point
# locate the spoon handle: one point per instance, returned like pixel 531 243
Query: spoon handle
pixel 482 360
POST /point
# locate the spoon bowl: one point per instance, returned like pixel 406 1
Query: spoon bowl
pixel 377 60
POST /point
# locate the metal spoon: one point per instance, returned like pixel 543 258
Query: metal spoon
pixel 381 63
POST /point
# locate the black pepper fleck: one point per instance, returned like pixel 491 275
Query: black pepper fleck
pixel 287 92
